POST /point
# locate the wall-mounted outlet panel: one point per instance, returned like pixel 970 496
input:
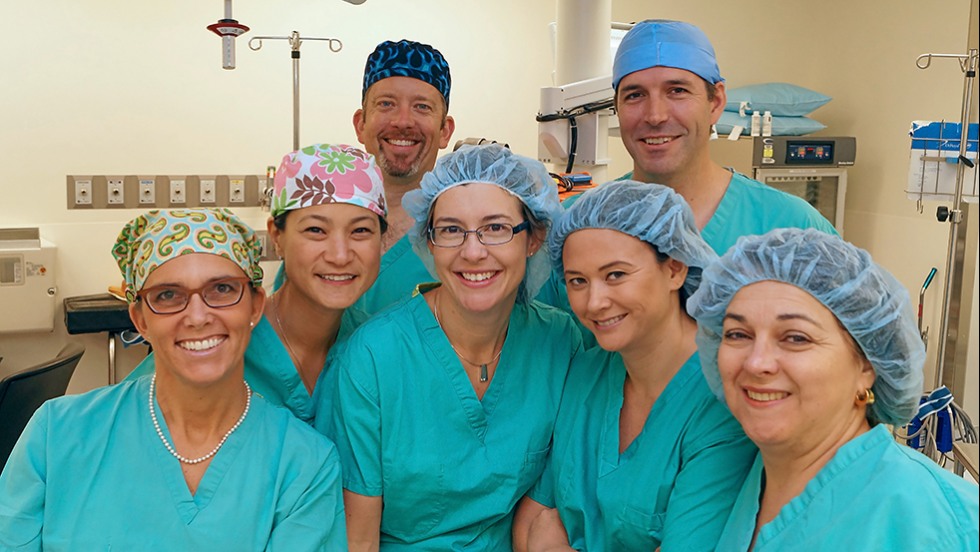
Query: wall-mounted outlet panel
pixel 161 191
pixel 81 188
pixel 208 192
pixel 147 191
pixel 115 190
pixel 236 190
pixel 178 191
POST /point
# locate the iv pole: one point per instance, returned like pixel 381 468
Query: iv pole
pixel 968 64
pixel 295 41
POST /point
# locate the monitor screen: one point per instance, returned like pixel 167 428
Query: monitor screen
pixel 809 153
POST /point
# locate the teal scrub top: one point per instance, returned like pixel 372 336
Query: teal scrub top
pixel 401 270
pixel 270 370
pixel 90 473
pixel 748 207
pixel 672 487
pixel 410 428
pixel 874 494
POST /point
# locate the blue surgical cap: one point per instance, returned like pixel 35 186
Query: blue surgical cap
pixel 663 43
pixel 650 212
pixel 407 59
pixel 868 301
pixel 523 177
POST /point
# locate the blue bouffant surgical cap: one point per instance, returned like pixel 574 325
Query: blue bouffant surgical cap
pixel 525 178
pixel 868 301
pixel 650 212
pixel 407 59
pixel 663 43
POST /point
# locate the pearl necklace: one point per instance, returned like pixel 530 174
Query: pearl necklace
pixel 184 459
pixel 484 376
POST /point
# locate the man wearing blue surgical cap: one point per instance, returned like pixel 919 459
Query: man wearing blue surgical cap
pixel 669 92
pixel 404 122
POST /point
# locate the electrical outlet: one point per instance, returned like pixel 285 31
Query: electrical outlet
pixel 148 191
pixel 83 192
pixel 207 192
pixel 178 191
pixel 114 190
pixel 236 190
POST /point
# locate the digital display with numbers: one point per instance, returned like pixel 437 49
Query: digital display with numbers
pixel 809 153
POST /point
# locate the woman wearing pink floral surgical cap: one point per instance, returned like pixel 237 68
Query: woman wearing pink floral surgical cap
pixel 327 217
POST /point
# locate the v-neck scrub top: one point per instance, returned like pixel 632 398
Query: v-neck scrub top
pixel 400 271
pixel 270 370
pixel 410 428
pixel 673 486
pixel 90 473
pixel 874 494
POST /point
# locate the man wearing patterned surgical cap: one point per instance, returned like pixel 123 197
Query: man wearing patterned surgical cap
pixel 404 122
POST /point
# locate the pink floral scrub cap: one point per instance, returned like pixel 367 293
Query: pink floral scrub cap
pixel 322 174
pixel 155 237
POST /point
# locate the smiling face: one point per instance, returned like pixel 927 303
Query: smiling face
pixel 665 117
pixel 789 370
pixel 618 288
pixel 481 277
pixel 403 123
pixel 199 345
pixel 332 252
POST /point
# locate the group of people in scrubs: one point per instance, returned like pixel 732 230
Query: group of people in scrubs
pixel 484 368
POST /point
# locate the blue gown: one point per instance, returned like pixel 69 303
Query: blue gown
pixel 672 487
pixel 401 270
pixel 90 473
pixel 874 494
pixel 410 428
pixel 269 368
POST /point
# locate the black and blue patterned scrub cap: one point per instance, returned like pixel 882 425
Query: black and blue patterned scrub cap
pixel 407 59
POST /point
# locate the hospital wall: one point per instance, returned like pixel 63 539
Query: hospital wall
pixel 112 87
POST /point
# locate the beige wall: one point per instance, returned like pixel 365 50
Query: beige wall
pixel 130 87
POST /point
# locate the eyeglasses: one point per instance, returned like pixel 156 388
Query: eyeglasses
pixel 495 233
pixel 173 299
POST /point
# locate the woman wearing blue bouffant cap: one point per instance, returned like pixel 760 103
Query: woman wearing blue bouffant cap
pixel 445 402
pixel 814 349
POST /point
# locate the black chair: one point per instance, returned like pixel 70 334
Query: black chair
pixel 22 393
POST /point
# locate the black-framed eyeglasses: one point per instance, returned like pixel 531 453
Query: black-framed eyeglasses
pixel 495 233
pixel 218 294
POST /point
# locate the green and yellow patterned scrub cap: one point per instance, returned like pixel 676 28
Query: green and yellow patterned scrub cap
pixel 156 237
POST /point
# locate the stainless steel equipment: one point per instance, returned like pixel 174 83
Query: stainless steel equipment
pixel 813 168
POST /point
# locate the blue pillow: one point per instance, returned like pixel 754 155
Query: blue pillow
pixel 782 99
pixel 781 126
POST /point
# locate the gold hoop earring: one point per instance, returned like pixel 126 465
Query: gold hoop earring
pixel 865 397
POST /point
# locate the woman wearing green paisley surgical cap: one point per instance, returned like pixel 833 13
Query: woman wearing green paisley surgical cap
pixel 188 458
pixel 326 222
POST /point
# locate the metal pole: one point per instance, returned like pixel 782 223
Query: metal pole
pixel 295 42
pixel 955 214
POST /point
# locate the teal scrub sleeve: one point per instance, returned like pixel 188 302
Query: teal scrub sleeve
pixel 707 486
pixel 23 488
pixel 543 491
pixel 354 423
pixel 315 520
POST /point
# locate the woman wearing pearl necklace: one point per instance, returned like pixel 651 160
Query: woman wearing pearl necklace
pixel 189 456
